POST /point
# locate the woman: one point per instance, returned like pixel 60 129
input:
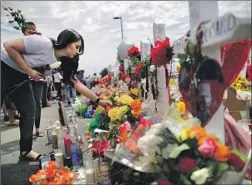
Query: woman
pixel 18 58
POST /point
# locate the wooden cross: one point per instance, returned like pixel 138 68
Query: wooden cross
pixel 216 33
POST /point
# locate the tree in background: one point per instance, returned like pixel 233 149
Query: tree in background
pixel 104 72
pixel 17 17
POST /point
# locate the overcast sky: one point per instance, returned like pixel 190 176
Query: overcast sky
pixel 94 20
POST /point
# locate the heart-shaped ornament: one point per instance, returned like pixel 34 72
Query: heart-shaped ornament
pixel 203 92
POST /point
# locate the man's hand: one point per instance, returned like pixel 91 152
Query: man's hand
pixel 35 75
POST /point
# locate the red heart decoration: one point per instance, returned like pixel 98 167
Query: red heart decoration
pixel 205 103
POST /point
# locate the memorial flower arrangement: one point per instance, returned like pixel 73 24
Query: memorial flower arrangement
pixel 52 174
pixel 126 115
pixel 191 157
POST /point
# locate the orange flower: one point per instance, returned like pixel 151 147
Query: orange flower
pixel 136 114
pixel 52 164
pixel 221 153
pixel 136 105
pixel 131 145
pixel 50 172
pixel 198 132
pixel 53 175
pixel 101 96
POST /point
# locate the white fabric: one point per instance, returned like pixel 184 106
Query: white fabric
pixel 39 52
pixel 57 77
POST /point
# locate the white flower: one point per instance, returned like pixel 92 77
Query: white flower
pixel 55 65
pixel 165 153
pixel 200 176
pixel 152 68
pixel 243 95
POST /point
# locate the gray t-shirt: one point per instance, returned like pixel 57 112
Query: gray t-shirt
pixel 39 52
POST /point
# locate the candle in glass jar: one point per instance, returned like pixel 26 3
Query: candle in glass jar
pixel 54 141
pixel 67 142
pixel 90 176
pixel 49 134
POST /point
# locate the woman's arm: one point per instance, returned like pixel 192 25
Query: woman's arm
pixel 14 48
pixel 82 89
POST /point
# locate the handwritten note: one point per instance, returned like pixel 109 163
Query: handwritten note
pixel 158 31
pixel 145 49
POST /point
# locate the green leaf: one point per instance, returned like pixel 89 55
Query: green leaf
pixel 220 169
pixel 11 22
pixel 181 58
pixel 16 27
pixel 177 150
pixel 241 155
pixel 192 143
pixel 184 180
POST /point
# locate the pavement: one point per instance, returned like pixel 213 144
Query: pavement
pixel 17 173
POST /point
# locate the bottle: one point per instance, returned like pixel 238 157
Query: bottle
pixel 61 145
pixel 80 149
pixel 75 156
pixel 67 142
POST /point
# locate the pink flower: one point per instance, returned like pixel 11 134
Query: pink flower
pixel 207 148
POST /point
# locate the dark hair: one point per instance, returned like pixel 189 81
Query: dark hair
pixel 69 67
pixel 66 37
pixel 26 24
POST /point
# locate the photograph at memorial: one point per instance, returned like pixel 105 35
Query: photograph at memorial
pixel 126 92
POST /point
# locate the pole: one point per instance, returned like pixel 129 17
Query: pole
pixel 121 26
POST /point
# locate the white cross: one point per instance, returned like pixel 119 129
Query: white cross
pixel 162 101
pixel 231 29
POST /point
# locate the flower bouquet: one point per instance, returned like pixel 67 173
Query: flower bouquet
pixel 190 157
pixel 128 110
pixel 52 174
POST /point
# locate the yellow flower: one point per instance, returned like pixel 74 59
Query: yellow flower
pixel 178 67
pixel 100 109
pixel 172 81
pixel 200 176
pixel 113 114
pixel 186 134
pixel 181 107
pixel 125 100
pixel 135 91
pixel 122 111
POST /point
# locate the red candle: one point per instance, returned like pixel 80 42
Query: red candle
pixel 67 142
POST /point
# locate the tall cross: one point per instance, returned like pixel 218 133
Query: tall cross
pixel 216 33
pixel 162 101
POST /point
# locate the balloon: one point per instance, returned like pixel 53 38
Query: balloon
pixel 123 48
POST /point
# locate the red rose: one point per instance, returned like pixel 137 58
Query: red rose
pixel 163 182
pixel 121 68
pixel 138 69
pixel 186 164
pixel 235 161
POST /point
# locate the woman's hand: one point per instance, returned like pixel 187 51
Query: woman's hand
pixel 104 103
pixel 35 75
